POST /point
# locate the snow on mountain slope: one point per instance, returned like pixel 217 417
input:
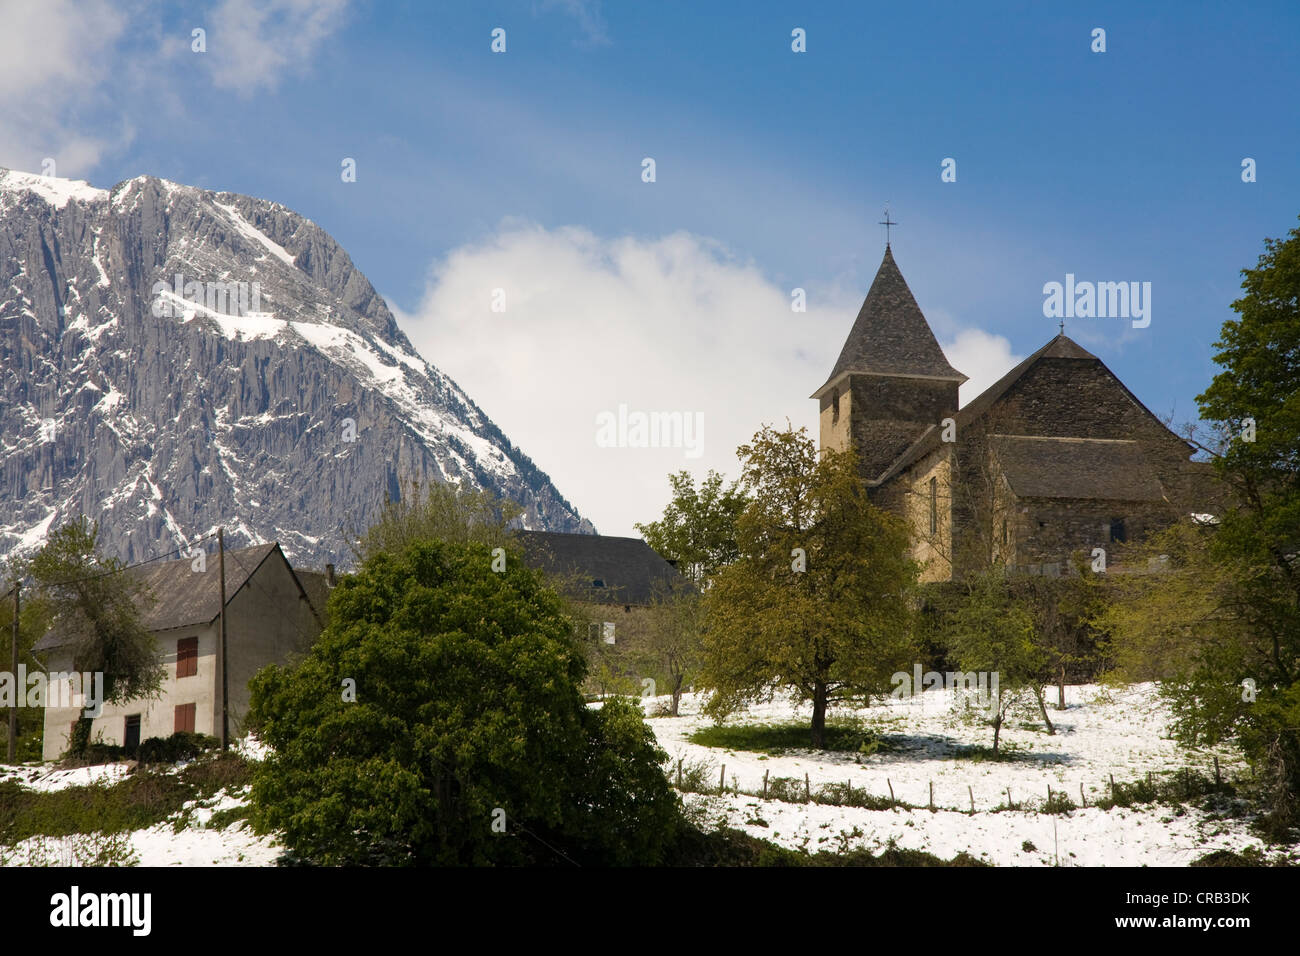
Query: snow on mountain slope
pixel 176 359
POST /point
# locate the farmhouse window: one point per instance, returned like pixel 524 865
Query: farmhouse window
pixel 185 718
pixel 131 732
pixel 187 657
pixel 1117 532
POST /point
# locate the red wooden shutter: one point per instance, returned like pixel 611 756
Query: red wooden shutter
pixel 187 657
pixel 185 718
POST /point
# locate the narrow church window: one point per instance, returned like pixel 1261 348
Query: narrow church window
pixel 1117 532
pixel 934 505
pixel 835 406
pixel 1004 532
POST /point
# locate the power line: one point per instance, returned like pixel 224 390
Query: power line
pixel 127 567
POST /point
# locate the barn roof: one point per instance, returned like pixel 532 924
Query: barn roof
pixel 182 596
pixel 890 335
pixel 601 569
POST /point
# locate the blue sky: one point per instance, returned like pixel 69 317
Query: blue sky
pixel 522 171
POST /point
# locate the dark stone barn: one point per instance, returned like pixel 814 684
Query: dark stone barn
pixel 1057 456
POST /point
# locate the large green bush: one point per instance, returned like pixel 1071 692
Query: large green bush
pixel 467 714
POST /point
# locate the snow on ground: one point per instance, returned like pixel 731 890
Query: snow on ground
pixel 39 777
pixel 236 845
pixel 1102 732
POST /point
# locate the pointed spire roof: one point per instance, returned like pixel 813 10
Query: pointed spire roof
pixel 890 335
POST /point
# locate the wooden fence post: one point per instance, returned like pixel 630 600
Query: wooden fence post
pixel 931 794
pixel 1083 796
pixel 971 791
pixel 807 789
pixel 1217 781
pixel 892 801
pixel 765 773
pixel 722 784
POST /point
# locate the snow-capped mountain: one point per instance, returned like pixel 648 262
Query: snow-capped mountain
pixel 174 359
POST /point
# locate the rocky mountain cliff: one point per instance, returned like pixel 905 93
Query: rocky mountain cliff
pixel 174 359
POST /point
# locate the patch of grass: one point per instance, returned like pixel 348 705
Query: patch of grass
pixel 1058 802
pixel 141 800
pixel 1251 856
pixel 843 735
pixel 729 847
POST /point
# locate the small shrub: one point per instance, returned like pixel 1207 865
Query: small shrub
pixel 1058 802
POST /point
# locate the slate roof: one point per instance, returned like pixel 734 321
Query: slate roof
pixel 890 335
pixel 1076 468
pixel 628 569
pixel 1059 347
pixel 184 597
pixel 316 584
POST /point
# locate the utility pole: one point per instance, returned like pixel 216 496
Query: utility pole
pixel 13 672
pixel 225 683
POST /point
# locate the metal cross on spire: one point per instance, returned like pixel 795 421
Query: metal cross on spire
pixel 887 222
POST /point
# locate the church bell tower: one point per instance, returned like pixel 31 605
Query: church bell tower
pixel 891 381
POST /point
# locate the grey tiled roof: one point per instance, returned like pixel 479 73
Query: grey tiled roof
pixel 890 335
pixel 628 569
pixel 1076 468
pixel 183 597
pixel 316 584
pixel 1059 347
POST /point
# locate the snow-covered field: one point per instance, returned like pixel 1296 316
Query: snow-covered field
pixel 1101 732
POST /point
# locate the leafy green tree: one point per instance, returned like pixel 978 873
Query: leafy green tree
pixel 440 707
pixel 1230 644
pixel 994 630
pixel 98 605
pixel 819 600
pixel 440 511
pixel 672 641
pixel 698 529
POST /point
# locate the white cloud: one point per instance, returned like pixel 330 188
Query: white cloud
pixel 677 323
pixel 52 63
pixel 587 14
pixel 252 43
pixel 982 356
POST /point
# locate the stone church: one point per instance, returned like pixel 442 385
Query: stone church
pixel 1056 457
